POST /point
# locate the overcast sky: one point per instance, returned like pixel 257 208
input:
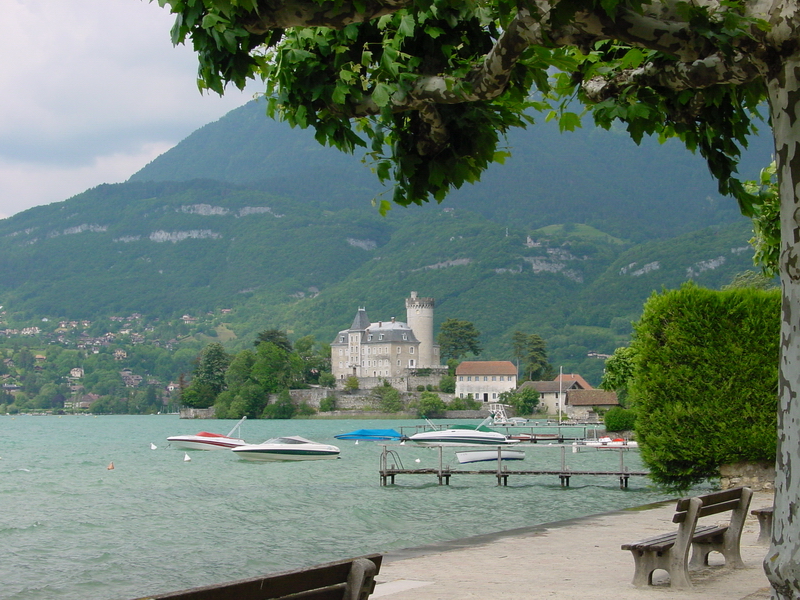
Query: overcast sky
pixel 92 90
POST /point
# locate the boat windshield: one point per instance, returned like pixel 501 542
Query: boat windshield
pixel 286 440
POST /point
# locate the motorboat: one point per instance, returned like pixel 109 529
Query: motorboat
pixel 462 436
pixel 291 447
pixel 607 443
pixel 500 418
pixel 206 440
pixel 374 435
pixel 487 454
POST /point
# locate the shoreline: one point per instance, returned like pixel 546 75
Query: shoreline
pixel 573 559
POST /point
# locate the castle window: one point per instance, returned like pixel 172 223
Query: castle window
pixel 341 339
pixel 380 336
pixel 469 377
pixel 494 378
pixel 485 378
pixel 411 350
pixel 369 337
pixel 405 336
pixel 399 349
pixel 398 363
pixel 461 378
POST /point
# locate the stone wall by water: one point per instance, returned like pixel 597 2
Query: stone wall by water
pixel 758 476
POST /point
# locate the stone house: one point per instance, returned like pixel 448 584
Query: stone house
pixel 485 379
pixel 583 404
pixel 551 393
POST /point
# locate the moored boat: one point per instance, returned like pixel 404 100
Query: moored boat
pixel 604 443
pixel 375 435
pixel 206 440
pixel 486 455
pixel 291 447
pixel 462 436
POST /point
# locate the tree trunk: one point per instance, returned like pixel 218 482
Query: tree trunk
pixel 782 563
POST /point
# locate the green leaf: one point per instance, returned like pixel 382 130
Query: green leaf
pixel 569 121
pixel 407 24
pixel 381 94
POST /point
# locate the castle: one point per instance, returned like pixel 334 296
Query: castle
pixel 387 349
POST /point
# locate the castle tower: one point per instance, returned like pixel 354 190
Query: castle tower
pixel 419 317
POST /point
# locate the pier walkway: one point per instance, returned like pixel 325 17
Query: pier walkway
pixel 391 466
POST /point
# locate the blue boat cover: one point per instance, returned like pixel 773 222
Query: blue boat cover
pixel 370 434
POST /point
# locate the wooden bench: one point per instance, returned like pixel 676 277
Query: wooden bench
pixel 764 516
pixel 670 551
pixel 352 579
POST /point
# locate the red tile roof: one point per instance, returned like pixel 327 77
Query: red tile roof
pixel 566 377
pixel 486 367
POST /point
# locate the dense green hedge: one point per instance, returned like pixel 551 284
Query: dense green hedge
pixel 706 381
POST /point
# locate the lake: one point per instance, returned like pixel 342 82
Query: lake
pixel 72 529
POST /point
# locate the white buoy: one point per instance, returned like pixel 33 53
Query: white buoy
pixel 356 442
pixel 186 457
pixel 153 446
pixel 418 460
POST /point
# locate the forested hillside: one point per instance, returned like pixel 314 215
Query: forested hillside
pixel 566 240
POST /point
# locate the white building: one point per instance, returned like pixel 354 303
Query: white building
pixel 485 379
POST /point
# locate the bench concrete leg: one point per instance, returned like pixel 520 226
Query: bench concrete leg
pixel 678 572
pixel 644 565
pixel 647 562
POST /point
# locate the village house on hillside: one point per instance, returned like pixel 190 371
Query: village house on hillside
pixel 573 395
pixel 584 404
pixel 485 379
pixel 387 349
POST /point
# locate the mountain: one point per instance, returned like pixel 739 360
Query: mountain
pixel 566 240
pixel 600 178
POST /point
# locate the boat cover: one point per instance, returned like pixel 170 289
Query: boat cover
pixel 370 434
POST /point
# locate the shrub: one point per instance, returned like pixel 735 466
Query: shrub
pixel 464 404
pixel 327 404
pixel 619 419
pixel 706 381
pixel 448 384
pixel 351 384
pixel 282 408
pixel 386 398
pixel 430 405
pixel 327 380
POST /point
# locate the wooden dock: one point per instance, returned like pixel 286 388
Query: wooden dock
pixel 391 466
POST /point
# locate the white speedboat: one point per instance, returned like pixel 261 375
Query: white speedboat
pixel 206 440
pixel 489 454
pixel 292 447
pixel 462 436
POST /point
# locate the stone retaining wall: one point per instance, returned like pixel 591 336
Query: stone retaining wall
pixel 758 476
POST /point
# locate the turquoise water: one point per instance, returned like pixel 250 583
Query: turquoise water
pixel 72 529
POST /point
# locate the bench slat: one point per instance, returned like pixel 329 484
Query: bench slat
pixel 712 498
pixel 662 542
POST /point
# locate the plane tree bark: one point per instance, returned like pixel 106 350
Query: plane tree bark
pixel 429 88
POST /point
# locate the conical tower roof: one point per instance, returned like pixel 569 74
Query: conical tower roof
pixel 361 322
